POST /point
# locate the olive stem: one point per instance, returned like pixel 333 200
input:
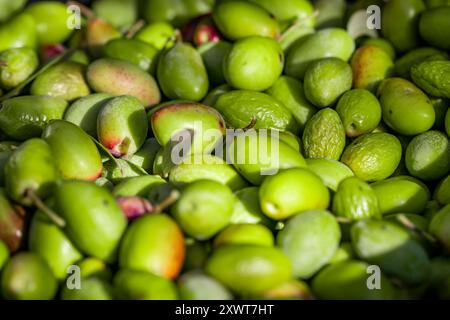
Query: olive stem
pixel 298 23
pixel 178 36
pixel 294 26
pixel 135 29
pixel 60 222
pixel 411 226
pixel 167 202
pixel 251 125
pixel 85 11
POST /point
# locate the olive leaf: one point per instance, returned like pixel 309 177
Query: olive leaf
pixel 135 166
pixel 107 153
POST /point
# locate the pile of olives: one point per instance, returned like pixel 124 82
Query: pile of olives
pixel 337 186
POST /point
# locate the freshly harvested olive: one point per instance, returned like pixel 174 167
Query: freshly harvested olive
pixel 348 280
pixel 315 226
pixel 96 224
pixel 390 246
pixel 12 220
pixel 291 191
pixel 74 152
pixel 253 63
pixel 142 285
pixel 240 19
pixel 204 208
pixel 118 77
pixel 18 65
pixel 195 285
pixel 18 32
pixel 52 244
pixel 265 267
pixel 122 125
pixel 26 117
pixel 65 80
pixel 373 156
pixel 182 74
pixel 355 199
pixel 27 276
pixel 31 172
pixel 153 243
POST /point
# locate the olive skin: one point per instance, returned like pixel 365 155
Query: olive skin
pixel 49 241
pixel 141 285
pixel 27 276
pixel 253 63
pixel 317 226
pixel 20 63
pixel 182 74
pixel 79 159
pixel 291 191
pixel 26 117
pixel 249 269
pixel 330 42
pixel 118 77
pixel 96 224
pixel 21 176
pixel 406 109
pixel 51 21
pixel 153 243
pixel 64 80
pixel 204 208
pixel 398 254
pixel 18 32
pixel 256 22
pixel 122 125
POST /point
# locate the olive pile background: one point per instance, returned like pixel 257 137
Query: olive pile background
pixel 356 204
